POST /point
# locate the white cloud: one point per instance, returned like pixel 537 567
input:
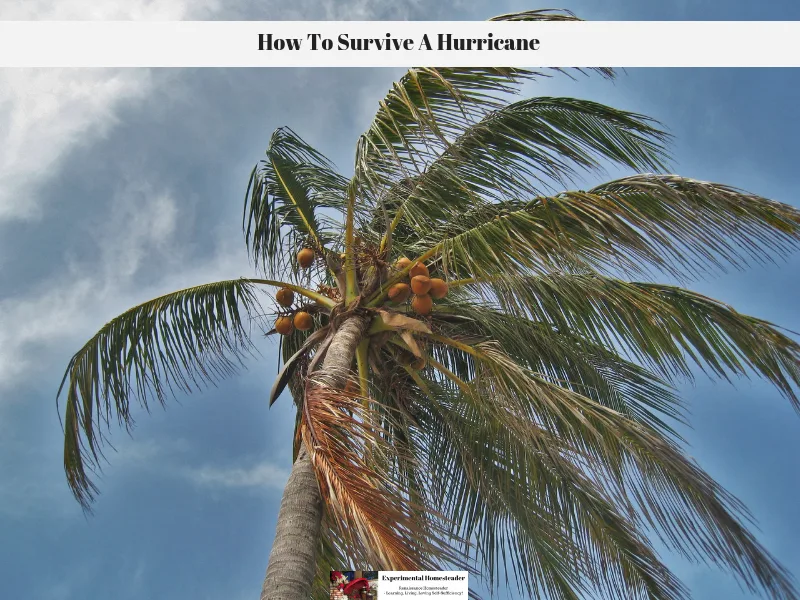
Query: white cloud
pixel 42 490
pixel 63 312
pixel 171 457
pixel 146 454
pixel 133 10
pixel 261 475
pixel 47 113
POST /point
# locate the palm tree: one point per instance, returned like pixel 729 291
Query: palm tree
pixel 517 419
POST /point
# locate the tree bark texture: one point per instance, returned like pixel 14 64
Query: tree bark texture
pixel 293 560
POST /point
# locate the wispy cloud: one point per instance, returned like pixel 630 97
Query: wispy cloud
pixel 47 113
pixel 133 10
pixel 264 475
pixel 132 459
pixel 44 115
pixel 60 309
pixel 172 458
pixel 68 309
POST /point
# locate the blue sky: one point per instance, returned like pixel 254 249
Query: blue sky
pixel 116 186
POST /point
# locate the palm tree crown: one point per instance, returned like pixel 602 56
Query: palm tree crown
pixel 516 416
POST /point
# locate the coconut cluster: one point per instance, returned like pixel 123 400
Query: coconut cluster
pixel 419 286
pixel 425 289
pixel 300 320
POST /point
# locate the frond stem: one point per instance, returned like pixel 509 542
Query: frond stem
pixel 418 380
pixel 316 296
pixel 449 374
pixel 309 226
pixel 454 344
pixel 351 286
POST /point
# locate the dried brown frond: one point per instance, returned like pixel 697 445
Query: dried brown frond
pixel 376 521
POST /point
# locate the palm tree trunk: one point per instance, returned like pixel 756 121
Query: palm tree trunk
pixel 292 562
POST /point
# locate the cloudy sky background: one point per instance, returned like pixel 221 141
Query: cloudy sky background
pixel 119 185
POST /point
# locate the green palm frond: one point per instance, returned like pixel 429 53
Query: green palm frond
pixel 568 360
pixel 512 487
pixel 424 112
pixel 176 342
pixel 525 149
pixel 329 558
pixel 638 468
pixel 699 224
pixel 295 365
pixel 283 202
pixel 673 224
pixel 542 14
pixel 427 107
pixel 668 328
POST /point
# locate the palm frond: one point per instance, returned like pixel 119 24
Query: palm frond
pixel 283 202
pixel 636 466
pixel 295 362
pixel 374 517
pixel 176 342
pixel 329 558
pixel 666 328
pixel 672 224
pixel 699 224
pixel 542 14
pixel 513 488
pixel 526 149
pixel 565 358
pixel 423 113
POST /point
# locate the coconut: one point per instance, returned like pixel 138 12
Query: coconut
pixel 418 269
pixel 285 297
pixel 439 288
pixel 402 263
pixel 422 304
pixel 305 257
pixel 303 321
pixel 420 284
pixel 399 293
pixel 418 363
pixel 283 325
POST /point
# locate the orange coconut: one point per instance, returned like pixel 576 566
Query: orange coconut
pixel 418 269
pixel 420 284
pixel 285 297
pixel 305 257
pixel 399 292
pixel 439 288
pixel 303 321
pixel 422 304
pixel 283 325
pixel 402 263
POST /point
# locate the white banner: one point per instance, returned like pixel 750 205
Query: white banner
pixel 399 44
pixel 423 585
